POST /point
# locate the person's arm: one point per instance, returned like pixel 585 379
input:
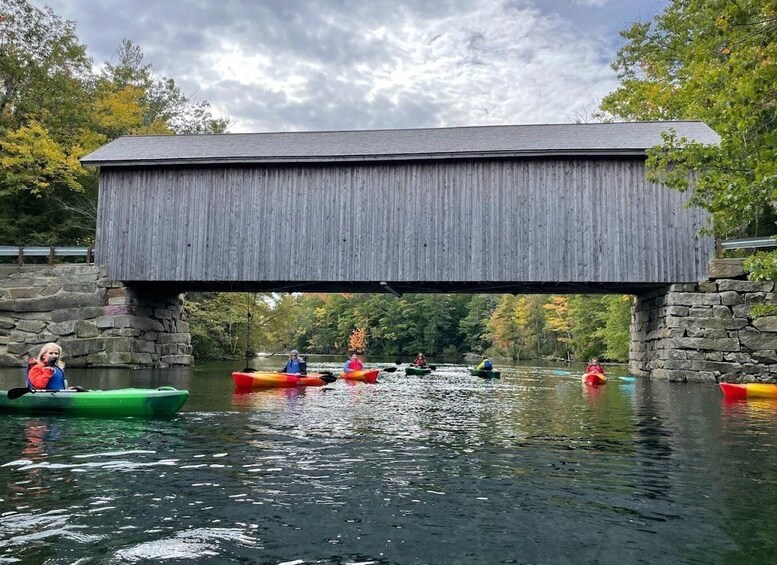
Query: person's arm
pixel 39 375
pixel 303 367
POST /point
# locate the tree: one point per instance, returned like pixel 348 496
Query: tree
pixel 163 108
pixel 559 320
pixel 616 317
pixel 713 60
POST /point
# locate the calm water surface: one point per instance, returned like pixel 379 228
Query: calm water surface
pixel 448 468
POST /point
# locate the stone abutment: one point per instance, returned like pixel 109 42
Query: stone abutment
pixel 706 332
pixel 96 321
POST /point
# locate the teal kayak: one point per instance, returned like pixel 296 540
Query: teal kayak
pixel 148 402
pixel 417 371
pixel 485 374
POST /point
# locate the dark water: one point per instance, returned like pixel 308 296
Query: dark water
pixel 534 468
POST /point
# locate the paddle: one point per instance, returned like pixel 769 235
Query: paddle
pixel 328 377
pixel 389 369
pixel 15 393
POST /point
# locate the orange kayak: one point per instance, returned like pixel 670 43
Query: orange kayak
pixel 366 375
pixel 594 379
pixel 736 391
pixel 260 379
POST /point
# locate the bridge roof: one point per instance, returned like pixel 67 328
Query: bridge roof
pixel 609 139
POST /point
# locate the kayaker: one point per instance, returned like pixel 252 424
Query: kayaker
pixel 47 371
pixel 295 365
pixel 594 367
pixel 485 365
pixel 420 361
pixel 353 364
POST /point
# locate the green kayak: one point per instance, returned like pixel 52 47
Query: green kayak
pixel 485 374
pixel 149 402
pixel 417 371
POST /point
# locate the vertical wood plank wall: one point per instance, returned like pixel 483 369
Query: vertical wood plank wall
pixel 571 220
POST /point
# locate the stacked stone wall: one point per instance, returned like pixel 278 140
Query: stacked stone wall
pixel 706 332
pixel 96 321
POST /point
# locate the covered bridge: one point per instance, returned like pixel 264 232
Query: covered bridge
pixel 516 209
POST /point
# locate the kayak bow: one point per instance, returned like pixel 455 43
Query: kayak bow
pixel 365 375
pixel 594 379
pixel 737 391
pixel 483 374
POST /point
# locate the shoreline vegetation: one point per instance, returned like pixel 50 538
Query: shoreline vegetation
pixel 505 327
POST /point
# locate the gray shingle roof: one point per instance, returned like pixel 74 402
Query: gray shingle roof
pixel 631 138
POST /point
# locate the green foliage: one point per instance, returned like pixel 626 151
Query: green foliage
pixel 615 318
pixel 54 109
pixel 716 61
pixel 440 325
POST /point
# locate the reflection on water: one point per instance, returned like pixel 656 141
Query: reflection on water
pixel 443 468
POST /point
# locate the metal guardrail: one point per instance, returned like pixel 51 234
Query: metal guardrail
pixel 748 243
pixel 52 251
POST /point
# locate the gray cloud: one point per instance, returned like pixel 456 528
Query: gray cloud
pixel 348 64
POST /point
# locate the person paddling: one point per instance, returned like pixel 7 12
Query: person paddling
pixel 353 364
pixel 594 367
pixel 420 361
pixel 485 365
pixel 295 365
pixel 47 371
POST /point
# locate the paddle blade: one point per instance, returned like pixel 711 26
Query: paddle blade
pixel 328 377
pixel 15 393
pixel 389 369
pixel 432 367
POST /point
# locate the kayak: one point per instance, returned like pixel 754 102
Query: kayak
pixel 736 391
pixel 365 375
pixel 162 401
pixel 485 374
pixel 417 371
pixel 594 379
pixel 260 379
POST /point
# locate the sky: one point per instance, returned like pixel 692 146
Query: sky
pixel 308 65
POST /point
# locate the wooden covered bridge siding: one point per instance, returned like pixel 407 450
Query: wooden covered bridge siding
pixel 574 219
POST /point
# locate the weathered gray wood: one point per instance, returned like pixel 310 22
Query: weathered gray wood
pixel 555 220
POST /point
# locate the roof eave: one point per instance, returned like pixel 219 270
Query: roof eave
pixel 468 155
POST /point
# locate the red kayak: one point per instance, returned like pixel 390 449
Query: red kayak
pixel 365 375
pixel 594 379
pixel 260 379
pixel 736 391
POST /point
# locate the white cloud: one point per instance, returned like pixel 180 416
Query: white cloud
pixel 304 64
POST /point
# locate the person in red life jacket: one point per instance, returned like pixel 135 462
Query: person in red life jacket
pixel 420 361
pixel 594 367
pixel 353 364
pixel 47 371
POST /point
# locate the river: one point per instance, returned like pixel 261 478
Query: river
pixel 446 468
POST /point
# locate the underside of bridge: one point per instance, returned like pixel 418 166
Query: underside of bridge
pixel 403 287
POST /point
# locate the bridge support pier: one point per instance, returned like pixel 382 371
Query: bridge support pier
pixel 96 321
pixel 705 332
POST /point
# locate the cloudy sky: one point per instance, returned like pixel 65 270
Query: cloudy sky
pixel 284 65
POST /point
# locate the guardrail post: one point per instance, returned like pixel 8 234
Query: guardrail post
pixel 20 257
pixel 51 255
pixel 718 248
pixel 89 255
